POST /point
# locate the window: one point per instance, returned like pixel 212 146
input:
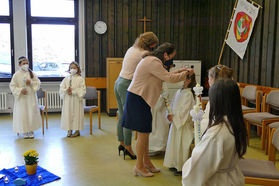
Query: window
pixel 52 36
pixel 6 59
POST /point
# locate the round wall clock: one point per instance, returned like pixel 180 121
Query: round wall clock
pixel 100 27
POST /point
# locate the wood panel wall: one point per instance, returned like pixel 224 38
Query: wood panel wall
pixel 196 27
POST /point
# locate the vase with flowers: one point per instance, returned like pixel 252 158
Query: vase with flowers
pixel 31 161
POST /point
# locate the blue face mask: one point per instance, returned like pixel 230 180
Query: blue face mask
pixel 169 63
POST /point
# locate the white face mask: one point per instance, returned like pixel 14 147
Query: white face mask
pixel 73 71
pixel 25 67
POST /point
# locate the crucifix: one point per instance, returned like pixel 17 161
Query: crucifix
pixel 144 22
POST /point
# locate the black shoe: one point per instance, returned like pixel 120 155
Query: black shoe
pixel 172 169
pixel 126 152
pixel 120 148
pixel 178 173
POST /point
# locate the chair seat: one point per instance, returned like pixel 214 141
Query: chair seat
pixel 88 108
pixel 246 108
pixel 42 107
pixel 258 168
pixel 258 117
pixel 274 125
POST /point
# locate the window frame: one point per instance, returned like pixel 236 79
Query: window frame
pixel 53 21
pixel 9 19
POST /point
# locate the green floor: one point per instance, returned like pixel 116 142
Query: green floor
pixel 86 160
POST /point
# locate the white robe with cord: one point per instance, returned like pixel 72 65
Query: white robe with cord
pixel 205 118
pixel 214 160
pixel 26 113
pixel 72 117
pixel 160 125
pixel 181 132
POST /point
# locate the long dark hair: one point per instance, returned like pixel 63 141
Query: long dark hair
pixel 192 84
pixel 160 50
pixel 20 59
pixel 224 97
pixel 220 71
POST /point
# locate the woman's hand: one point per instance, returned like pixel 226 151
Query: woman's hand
pixel 69 91
pixel 24 91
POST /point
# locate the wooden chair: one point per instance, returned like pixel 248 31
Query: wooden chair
pixel 250 94
pixel 93 94
pixel 43 108
pixel 262 119
pixel 259 172
pixel 273 143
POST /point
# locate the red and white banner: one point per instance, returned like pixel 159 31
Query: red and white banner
pixel 242 25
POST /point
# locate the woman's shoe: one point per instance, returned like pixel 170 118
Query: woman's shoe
pixel 121 148
pixel 126 152
pixel 140 173
pixel 77 133
pixel 69 133
pixel 153 170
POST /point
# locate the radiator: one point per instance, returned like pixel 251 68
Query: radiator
pixel 3 101
pixel 54 103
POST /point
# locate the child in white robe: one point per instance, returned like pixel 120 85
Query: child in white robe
pixel 72 91
pixel 160 125
pixel 215 158
pixel 26 114
pixel 181 132
pixel 215 73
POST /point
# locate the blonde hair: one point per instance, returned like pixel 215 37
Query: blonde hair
pixel 145 40
pixel 77 65
pixel 220 71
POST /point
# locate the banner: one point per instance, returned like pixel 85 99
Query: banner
pixel 241 27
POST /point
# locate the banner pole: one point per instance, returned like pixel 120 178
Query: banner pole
pixel 227 33
pixel 253 2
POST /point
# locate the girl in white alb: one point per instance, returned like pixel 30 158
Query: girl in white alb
pixel 26 114
pixel 72 91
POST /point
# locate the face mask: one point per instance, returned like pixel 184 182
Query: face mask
pixel 25 67
pixel 73 71
pixel 169 62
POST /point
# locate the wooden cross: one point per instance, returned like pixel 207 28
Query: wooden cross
pixel 144 22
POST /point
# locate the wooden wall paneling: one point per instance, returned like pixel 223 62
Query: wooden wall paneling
pixel 169 22
pixel 135 22
pixel 140 15
pixel 270 46
pixel 148 14
pixel 175 27
pixel 111 28
pixel 265 42
pixel 276 59
pixel 125 26
pixel 89 37
pixel 104 38
pixel 154 16
pixel 96 41
pixel 181 44
pixel 161 21
pixel 119 28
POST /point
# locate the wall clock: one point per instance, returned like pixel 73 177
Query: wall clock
pixel 100 27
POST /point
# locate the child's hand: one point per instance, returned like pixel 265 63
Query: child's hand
pixel 69 90
pixel 24 91
pixel 170 117
pixel 28 82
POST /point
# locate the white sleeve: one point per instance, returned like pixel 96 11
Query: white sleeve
pixel 81 90
pixel 182 110
pixel 16 90
pixel 63 88
pixel 204 162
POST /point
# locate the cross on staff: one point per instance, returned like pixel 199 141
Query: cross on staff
pixel 144 20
